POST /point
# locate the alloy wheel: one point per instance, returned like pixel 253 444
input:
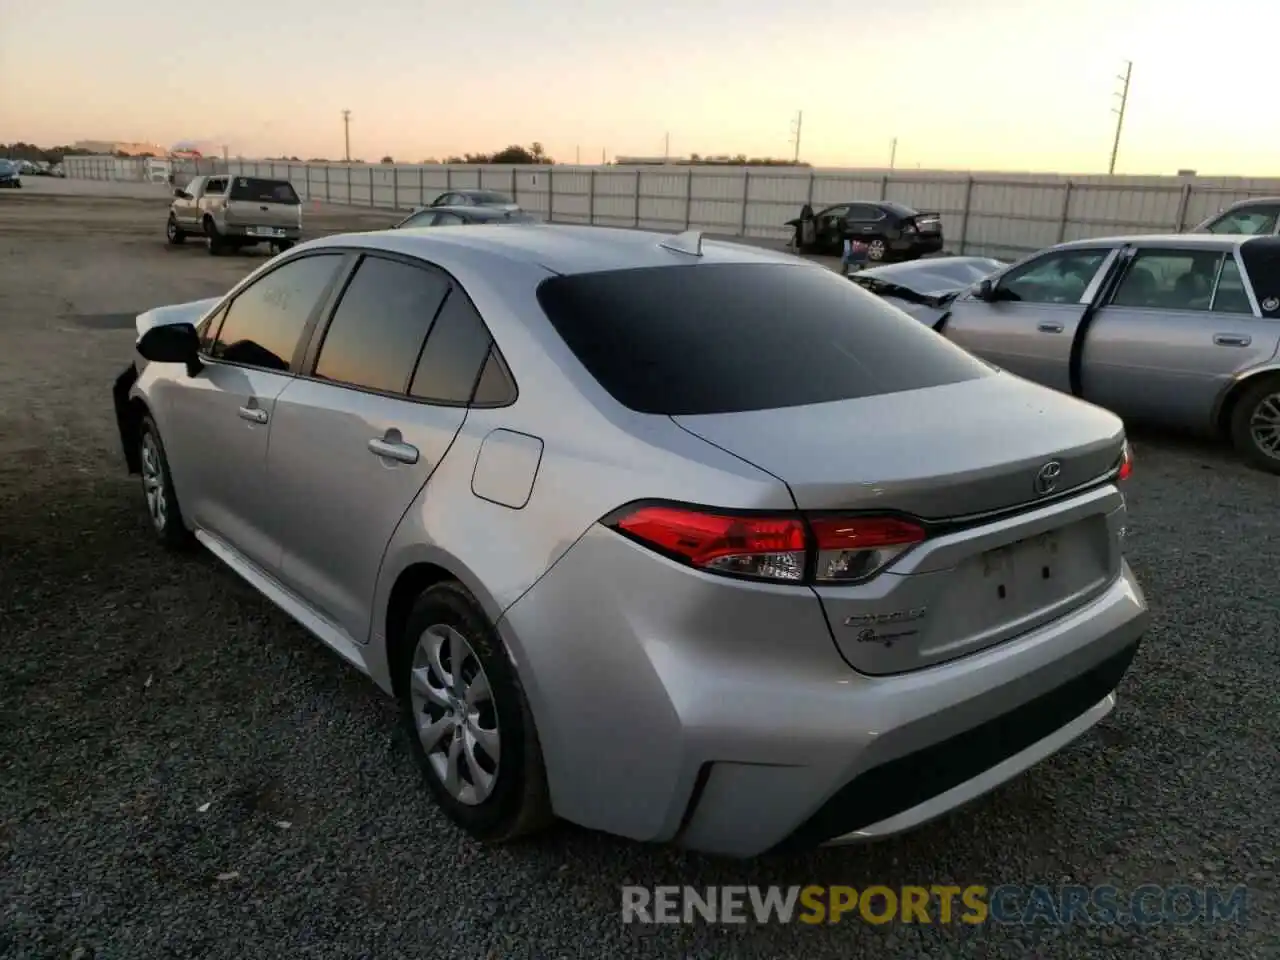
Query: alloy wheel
pixel 1264 425
pixel 153 483
pixel 875 250
pixel 455 715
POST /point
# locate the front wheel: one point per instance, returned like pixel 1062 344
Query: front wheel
pixel 174 233
pixel 157 488
pixel 467 718
pixel 1255 425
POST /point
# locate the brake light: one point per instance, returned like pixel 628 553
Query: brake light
pixel 1125 467
pixel 783 547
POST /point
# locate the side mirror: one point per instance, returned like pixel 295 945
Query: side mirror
pixel 172 343
pixel 985 290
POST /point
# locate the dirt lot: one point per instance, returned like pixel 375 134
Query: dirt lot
pixel 136 688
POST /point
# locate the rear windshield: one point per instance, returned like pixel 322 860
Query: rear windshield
pixel 900 209
pixel 726 338
pixel 263 191
pixel 488 196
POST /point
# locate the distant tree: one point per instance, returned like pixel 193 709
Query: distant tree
pixel 387 159
pixel 518 154
pixel 317 160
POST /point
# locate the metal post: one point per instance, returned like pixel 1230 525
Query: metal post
pixel 515 183
pixel 307 168
pixel 746 200
pixel 591 198
pixel 964 215
pixel 637 218
pixel 422 187
pixel 1183 201
pixel 688 199
pixel 371 186
pixel 1066 210
pixel 348 200
pixel 395 187
pixel 884 187
pixel 448 177
pixel 551 194
pixel 328 190
pixel 809 196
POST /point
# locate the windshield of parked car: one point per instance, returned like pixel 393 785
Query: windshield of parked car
pixel 7 166
pixel 257 190
pixel 1251 221
pixel 732 337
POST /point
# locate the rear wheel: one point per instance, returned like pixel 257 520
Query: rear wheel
pixel 877 250
pixel 1255 424
pixel 174 233
pixel 467 718
pixel 217 244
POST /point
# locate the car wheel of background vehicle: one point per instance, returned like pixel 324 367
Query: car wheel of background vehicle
pixel 216 243
pixel 157 488
pixel 173 233
pixel 1255 424
pixel 467 719
pixel 876 250
pixel 284 245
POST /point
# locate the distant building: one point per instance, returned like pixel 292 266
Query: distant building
pixel 119 146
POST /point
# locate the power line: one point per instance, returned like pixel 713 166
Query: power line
pixel 1123 94
pixel 796 126
pixel 346 132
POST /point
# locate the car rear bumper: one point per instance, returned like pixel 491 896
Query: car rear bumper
pixel 674 705
pixel 243 232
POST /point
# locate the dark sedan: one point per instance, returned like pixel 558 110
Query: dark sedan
pixel 891 231
pixel 434 216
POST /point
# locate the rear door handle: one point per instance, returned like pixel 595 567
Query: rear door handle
pixel 403 452
pixel 1049 327
pixel 253 414
pixel 1232 339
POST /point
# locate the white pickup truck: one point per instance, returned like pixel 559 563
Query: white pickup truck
pixel 233 211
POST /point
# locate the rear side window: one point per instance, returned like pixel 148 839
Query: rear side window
pixel 380 324
pixel 456 349
pixel 725 338
pixel 265 322
pixel 255 190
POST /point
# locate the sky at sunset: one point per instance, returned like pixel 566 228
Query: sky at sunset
pixel 970 84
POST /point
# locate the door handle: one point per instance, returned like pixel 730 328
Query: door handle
pixel 1049 327
pixel 1232 339
pixel 253 414
pixel 403 452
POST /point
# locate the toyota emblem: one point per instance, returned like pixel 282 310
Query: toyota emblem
pixel 1047 478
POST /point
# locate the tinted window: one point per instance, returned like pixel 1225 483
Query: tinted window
pixel 265 322
pixel 215 185
pixel 456 349
pixel 1169 280
pixel 900 209
pixel 1262 262
pixel 447 220
pixel 719 338
pixel 379 325
pixel 1246 220
pixel 1230 297
pixel 1059 277
pixel 488 196
pixel 423 219
pixel 864 211
pixel 495 387
pixel 257 190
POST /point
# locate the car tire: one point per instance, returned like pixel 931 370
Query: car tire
pixel 1255 424
pixel 877 250
pixel 471 730
pixel 284 246
pixel 217 245
pixel 163 512
pixel 174 233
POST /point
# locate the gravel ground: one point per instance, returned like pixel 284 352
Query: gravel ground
pixel 188 774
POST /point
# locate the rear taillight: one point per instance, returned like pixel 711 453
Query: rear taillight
pixel 1124 466
pixel 783 547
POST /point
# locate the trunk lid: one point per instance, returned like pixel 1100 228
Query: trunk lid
pixel 943 452
pixel 1002 555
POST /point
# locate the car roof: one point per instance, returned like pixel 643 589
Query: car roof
pixel 1207 240
pixel 559 248
pixel 475 213
pixel 1251 201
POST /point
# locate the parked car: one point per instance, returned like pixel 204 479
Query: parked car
pixel 1180 329
pixel 1259 216
pixel 454 216
pixel 232 212
pixel 925 288
pixel 475 198
pixel 891 231
pixel 10 175
pixel 579 502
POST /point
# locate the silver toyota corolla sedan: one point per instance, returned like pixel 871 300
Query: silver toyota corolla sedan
pixel 684 541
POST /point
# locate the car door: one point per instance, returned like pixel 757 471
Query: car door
pixel 185 209
pixel 1035 310
pixel 1177 330
pixel 355 440
pixel 218 450
pixel 212 199
pixel 829 225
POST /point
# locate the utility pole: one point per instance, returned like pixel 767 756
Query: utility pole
pixel 225 156
pixel 577 156
pixel 1123 94
pixel 893 152
pixel 666 148
pixel 796 125
pixel 346 132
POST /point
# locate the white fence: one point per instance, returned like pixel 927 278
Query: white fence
pixel 992 214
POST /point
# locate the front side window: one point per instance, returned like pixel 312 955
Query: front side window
pixel 1249 220
pixel 264 324
pixel 1169 280
pixel 864 211
pixel 379 325
pixel 1059 277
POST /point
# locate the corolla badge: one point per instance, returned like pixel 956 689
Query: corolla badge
pixel 1047 477
pixel 1270 304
